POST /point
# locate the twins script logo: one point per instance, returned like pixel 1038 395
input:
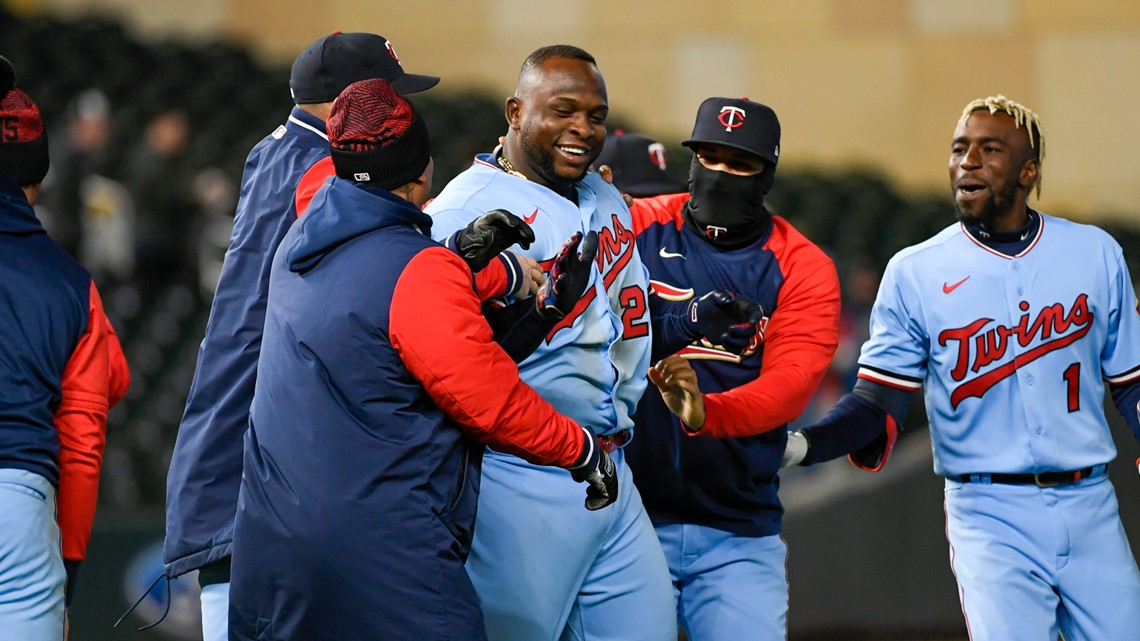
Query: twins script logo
pixel 979 347
pixel 615 249
pixel 731 117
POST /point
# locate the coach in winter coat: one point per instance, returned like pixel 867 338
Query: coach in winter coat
pixel 377 381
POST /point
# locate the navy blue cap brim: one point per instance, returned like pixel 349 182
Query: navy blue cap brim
pixel 413 83
pixel 696 141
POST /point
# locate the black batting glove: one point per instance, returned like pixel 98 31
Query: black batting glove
pixel 725 319
pixel 569 276
pixel 597 469
pixel 489 235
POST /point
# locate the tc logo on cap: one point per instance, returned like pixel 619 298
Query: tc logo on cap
pixel 731 117
pixel 657 155
pixel 391 51
pixel 362 177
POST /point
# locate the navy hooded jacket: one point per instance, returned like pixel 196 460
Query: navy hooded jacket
pixel 377 383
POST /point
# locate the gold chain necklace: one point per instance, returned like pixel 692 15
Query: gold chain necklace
pixel 508 167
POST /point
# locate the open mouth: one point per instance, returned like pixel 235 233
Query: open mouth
pixel 970 189
pixel 575 153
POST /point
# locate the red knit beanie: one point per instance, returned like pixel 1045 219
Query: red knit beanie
pixel 376 136
pixel 23 141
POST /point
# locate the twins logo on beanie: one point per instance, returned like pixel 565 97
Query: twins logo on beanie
pixel 23 141
pixel 376 136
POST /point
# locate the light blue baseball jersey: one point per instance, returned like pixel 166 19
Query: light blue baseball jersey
pixel 593 365
pixel 1012 351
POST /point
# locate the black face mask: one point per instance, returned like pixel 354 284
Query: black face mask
pixel 727 209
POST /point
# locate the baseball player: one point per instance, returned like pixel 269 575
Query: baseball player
pixel 61 370
pixel 709 478
pixel 1013 322
pixel 543 569
pixel 361 469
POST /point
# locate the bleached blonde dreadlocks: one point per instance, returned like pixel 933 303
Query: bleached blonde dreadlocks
pixel 1021 115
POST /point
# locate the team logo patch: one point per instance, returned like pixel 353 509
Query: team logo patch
pixel 391 50
pixel 657 155
pixel 362 177
pixel 731 117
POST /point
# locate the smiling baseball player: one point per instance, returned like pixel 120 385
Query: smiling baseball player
pixel 1012 321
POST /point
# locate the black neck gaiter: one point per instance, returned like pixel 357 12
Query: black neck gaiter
pixel 727 209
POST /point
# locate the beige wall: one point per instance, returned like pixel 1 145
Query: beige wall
pixel 870 83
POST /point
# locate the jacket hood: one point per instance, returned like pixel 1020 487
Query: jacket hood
pixel 341 211
pixel 17 217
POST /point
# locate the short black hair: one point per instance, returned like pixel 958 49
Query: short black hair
pixel 539 57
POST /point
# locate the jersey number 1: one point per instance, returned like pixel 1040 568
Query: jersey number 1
pixel 1072 378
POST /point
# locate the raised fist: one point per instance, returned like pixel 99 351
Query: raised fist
pixel 569 276
pixel 725 319
pixel 489 235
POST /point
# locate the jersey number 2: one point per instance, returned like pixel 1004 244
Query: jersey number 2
pixel 1072 378
pixel 633 313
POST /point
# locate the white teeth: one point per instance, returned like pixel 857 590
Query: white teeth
pixel 573 150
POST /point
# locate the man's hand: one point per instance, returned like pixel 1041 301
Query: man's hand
pixel 598 471
pixel 677 382
pixel 796 449
pixel 532 279
pixel 489 235
pixel 569 276
pixel 726 319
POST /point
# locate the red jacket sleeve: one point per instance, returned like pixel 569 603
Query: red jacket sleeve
pixel 658 209
pixel 437 328
pixel 95 378
pixel 492 281
pixel 799 341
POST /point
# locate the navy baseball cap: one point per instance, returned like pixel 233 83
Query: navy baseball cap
pixel 739 123
pixel 329 65
pixel 638 165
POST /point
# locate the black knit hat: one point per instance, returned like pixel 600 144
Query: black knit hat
pixel 376 136
pixel 739 123
pixel 23 140
pixel 638 165
pixel 330 64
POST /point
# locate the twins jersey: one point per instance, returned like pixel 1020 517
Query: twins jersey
pixel 593 365
pixel 1013 351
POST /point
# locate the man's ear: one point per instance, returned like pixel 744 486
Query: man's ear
pixel 514 112
pixel 1029 173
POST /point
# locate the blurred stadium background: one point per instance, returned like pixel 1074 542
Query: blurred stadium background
pixel 146 167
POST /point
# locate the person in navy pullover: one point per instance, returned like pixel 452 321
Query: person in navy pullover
pixel 377 385
pixel 61 370
pixel 709 478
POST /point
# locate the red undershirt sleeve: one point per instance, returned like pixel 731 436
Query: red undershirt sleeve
pixel 436 326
